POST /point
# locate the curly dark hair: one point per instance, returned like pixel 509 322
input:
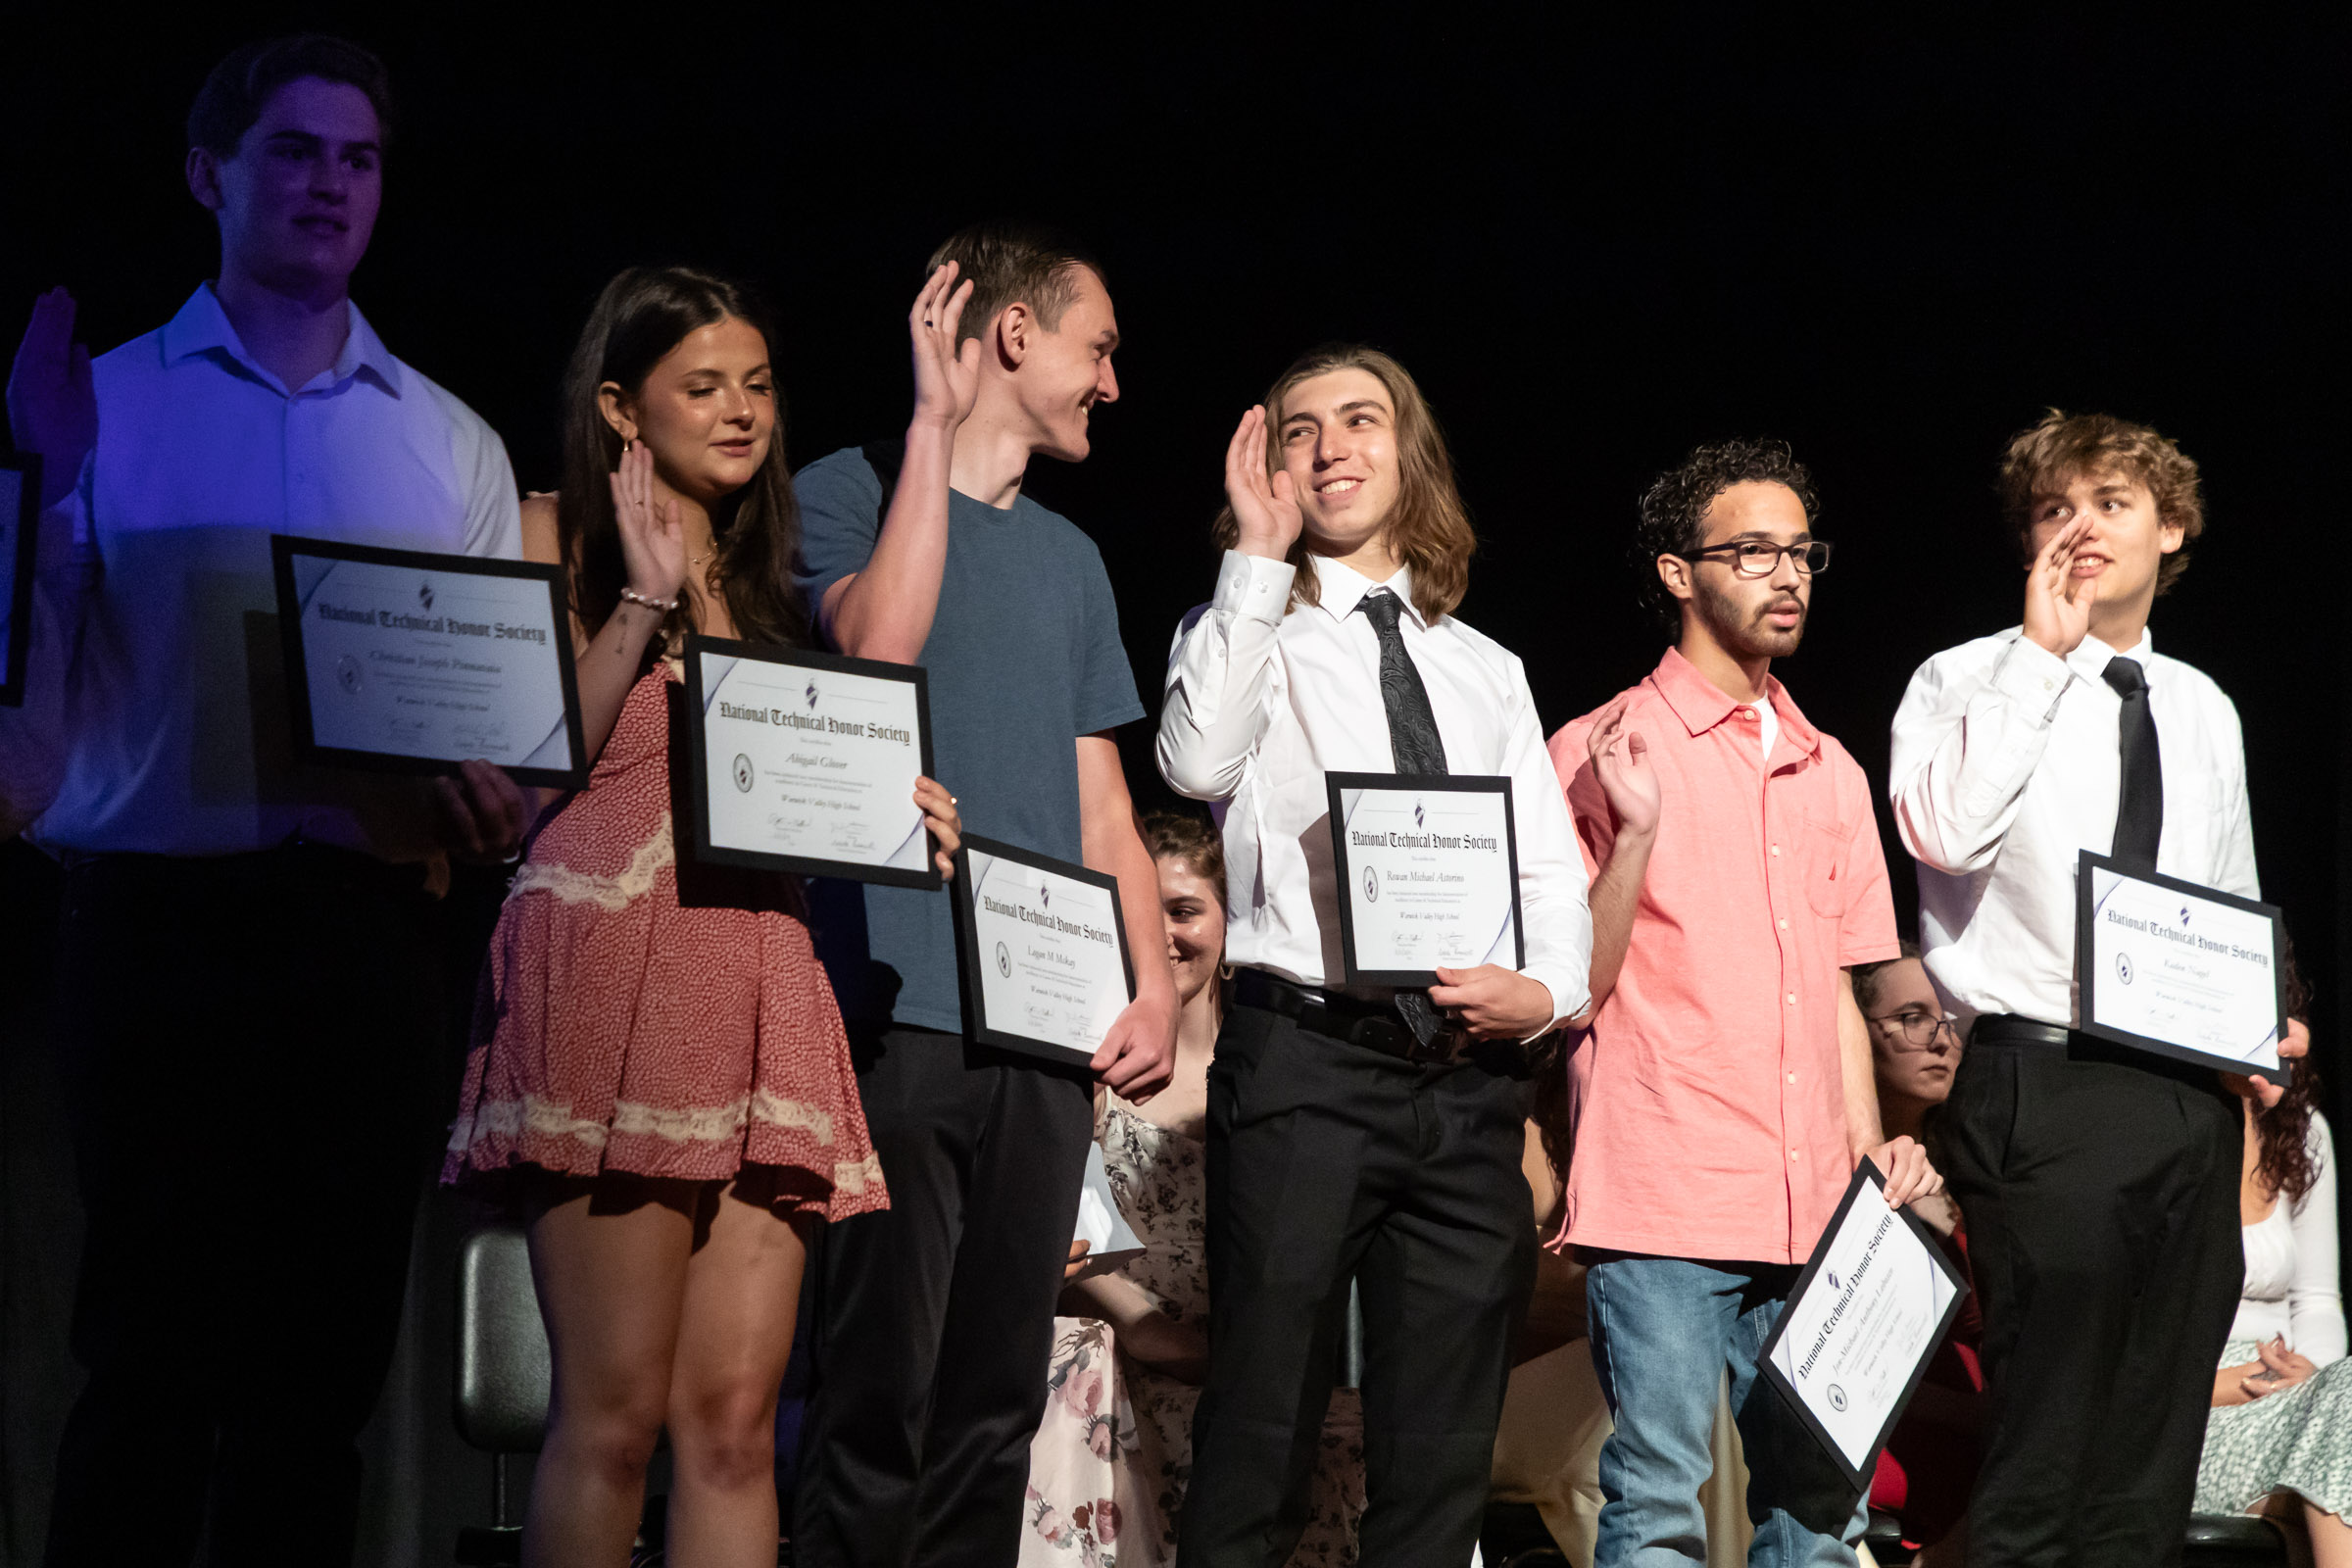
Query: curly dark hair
pixel 1675 505
pixel 2284 1164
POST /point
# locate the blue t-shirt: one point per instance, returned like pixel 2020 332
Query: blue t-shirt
pixel 1024 657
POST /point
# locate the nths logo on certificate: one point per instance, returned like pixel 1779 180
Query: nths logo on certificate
pixel 1004 960
pixel 1371 885
pixel 424 595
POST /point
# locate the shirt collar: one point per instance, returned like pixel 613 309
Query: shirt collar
pixel 1701 705
pixel 2090 657
pixel 1339 589
pixel 203 327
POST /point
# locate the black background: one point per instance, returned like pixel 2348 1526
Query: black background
pixel 1594 242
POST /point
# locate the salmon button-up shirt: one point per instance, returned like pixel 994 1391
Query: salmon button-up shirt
pixel 1709 1107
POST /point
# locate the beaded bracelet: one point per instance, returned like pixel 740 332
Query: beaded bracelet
pixel 665 605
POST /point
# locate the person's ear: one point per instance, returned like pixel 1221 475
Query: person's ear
pixel 1675 572
pixel 2169 536
pixel 619 410
pixel 204 179
pixel 1013 327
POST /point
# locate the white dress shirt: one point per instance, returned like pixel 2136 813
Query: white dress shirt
pixel 2007 765
pixel 174 702
pixel 1260 705
pixel 2291 1286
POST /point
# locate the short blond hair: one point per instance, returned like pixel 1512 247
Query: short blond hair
pixel 2065 446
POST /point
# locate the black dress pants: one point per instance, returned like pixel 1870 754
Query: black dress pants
pixel 255 1063
pixel 935 1317
pixel 1330 1161
pixel 2099 1188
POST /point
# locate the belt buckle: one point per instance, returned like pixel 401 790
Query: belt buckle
pixel 1439 1051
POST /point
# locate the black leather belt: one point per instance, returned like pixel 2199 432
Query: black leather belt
pixel 2010 1029
pixel 1341 1018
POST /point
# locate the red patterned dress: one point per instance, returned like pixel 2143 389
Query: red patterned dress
pixel 621 1027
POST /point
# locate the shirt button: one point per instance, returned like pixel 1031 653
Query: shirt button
pixel 1792 999
pixel 1776 849
pixel 1783 925
pixel 1793 1153
pixel 1793 1077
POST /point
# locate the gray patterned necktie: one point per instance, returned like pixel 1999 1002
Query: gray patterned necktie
pixel 1415 742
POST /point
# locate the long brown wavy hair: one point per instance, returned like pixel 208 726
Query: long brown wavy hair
pixel 640 317
pixel 2284 1164
pixel 1429 528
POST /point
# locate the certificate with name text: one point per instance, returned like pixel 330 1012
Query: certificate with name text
pixel 1044 951
pixel 1428 870
pixel 410 661
pixel 1861 1324
pixel 20 520
pixel 804 761
pixel 2184 971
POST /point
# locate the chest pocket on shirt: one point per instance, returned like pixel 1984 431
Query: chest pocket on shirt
pixel 1823 857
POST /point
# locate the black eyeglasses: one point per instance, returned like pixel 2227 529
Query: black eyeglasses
pixel 1761 558
pixel 1918 1030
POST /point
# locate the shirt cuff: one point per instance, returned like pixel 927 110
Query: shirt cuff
pixel 2032 677
pixel 1558 986
pixel 1254 587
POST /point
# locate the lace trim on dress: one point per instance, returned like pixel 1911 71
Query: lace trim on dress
pixel 699 1124
pixel 610 893
pixel 852 1175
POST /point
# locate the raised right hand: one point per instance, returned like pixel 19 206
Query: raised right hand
pixel 2057 602
pixel 51 407
pixel 1268 510
pixel 653 542
pixel 947 376
pixel 1621 762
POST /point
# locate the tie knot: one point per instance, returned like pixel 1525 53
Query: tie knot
pixel 2126 676
pixel 1382 610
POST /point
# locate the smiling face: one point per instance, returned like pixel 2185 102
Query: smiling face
pixel 1749 617
pixel 1920 1073
pixel 1195 923
pixel 1065 370
pixel 1336 438
pixel 2127 540
pixel 707 410
pixel 297 201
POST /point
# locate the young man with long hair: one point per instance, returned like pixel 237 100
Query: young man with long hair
pixel 248 989
pixel 1724 1093
pixel 2098 1182
pixel 935 1319
pixel 1354 1133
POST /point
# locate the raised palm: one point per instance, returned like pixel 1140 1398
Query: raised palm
pixel 2058 603
pixel 947 374
pixel 653 537
pixel 1265 507
pixel 1621 762
pixel 52 408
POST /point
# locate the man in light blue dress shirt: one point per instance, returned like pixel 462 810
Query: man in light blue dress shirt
pixel 250 994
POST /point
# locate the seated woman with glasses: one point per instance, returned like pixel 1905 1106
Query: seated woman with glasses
pixel 2278 1439
pixel 1931 1461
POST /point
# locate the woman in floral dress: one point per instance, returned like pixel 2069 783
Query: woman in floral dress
pixel 1109 1469
pixel 659 1081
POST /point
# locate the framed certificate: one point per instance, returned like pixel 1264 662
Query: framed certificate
pixel 806 762
pixel 1428 875
pixel 1861 1323
pixel 2181 970
pixel 1046 969
pixel 19 524
pixel 413 662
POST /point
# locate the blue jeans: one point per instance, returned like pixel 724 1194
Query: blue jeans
pixel 1664 1330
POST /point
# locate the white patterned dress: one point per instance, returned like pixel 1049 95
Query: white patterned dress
pixel 1110 1462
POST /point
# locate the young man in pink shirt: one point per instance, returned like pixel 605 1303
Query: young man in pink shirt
pixel 1722 1094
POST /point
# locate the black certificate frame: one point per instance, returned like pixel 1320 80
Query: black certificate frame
pixel 968 944
pixel 285 548
pixel 23 563
pixel 1429 783
pixel 1866 1175
pixel 2085 917
pixel 698 762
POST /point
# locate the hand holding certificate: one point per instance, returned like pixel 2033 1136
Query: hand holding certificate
pixel 1428 875
pixel 2178 970
pixel 409 662
pixel 1861 1323
pixel 1043 952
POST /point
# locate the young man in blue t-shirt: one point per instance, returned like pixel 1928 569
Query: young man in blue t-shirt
pixel 934 1320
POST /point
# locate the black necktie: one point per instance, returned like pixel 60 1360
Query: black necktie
pixel 1412 727
pixel 1413 741
pixel 2140 804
